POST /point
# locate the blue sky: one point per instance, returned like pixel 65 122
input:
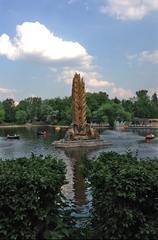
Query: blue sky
pixel 112 43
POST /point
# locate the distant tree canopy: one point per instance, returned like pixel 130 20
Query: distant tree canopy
pixel 100 109
pixel 2 113
pixel 9 108
pixel 113 111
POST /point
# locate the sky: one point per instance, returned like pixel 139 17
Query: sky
pixel 113 44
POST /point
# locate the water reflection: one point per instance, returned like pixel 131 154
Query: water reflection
pixel 81 192
pixel 79 184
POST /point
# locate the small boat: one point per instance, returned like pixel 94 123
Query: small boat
pixel 41 133
pixel 13 136
pixel 149 136
pixel 57 129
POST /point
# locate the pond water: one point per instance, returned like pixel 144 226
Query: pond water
pixel 76 189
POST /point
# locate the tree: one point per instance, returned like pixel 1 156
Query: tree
pixel 128 105
pixel 2 113
pixel 116 100
pixel 154 98
pixel 142 94
pixel 9 108
pixel 113 112
pixel 32 106
pixel 143 107
pixel 94 101
pixel 21 116
pixel 154 104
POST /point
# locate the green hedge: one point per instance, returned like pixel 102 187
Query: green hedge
pixel 30 196
pixel 125 197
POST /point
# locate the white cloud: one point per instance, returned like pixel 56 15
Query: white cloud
pixel 92 78
pixel 7 93
pixel 149 56
pixel 36 40
pixel 95 83
pixel 7 90
pixel 145 56
pixel 33 40
pixel 122 93
pixel 129 9
pixel 151 91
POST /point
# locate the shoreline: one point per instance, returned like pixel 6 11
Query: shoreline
pixel 23 126
pixel 29 125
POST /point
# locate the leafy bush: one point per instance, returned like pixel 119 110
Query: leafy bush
pixel 30 196
pixel 125 197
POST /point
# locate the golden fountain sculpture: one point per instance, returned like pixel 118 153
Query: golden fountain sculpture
pixel 80 129
pixel 80 133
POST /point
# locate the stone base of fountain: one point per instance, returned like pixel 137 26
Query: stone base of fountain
pixel 90 143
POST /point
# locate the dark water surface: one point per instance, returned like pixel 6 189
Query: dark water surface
pixel 132 140
pixel 31 142
pixel 122 141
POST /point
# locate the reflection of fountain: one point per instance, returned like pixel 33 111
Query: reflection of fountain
pixel 78 180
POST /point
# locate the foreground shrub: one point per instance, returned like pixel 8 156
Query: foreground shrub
pixel 30 196
pixel 125 197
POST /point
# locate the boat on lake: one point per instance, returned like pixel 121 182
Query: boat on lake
pixel 57 129
pixel 15 136
pixel 41 133
pixel 149 136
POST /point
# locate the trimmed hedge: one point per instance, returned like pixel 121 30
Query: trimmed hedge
pixel 30 196
pixel 125 197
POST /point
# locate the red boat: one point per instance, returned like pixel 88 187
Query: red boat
pixel 149 136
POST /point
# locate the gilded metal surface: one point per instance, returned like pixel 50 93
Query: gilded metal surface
pixel 78 101
pixel 80 129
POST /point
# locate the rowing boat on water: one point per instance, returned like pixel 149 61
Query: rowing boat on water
pixel 13 136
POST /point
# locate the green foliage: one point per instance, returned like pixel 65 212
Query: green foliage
pixel 21 116
pixel 9 108
pixel 100 109
pixel 143 106
pixel 128 105
pixel 48 114
pixel 154 106
pixel 30 196
pixel 2 113
pixel 94 101
pixel 146 107
pixel 32 107
pixel 113 111
pixel 125 197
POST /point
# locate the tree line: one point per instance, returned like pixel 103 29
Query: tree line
pixel 100 109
